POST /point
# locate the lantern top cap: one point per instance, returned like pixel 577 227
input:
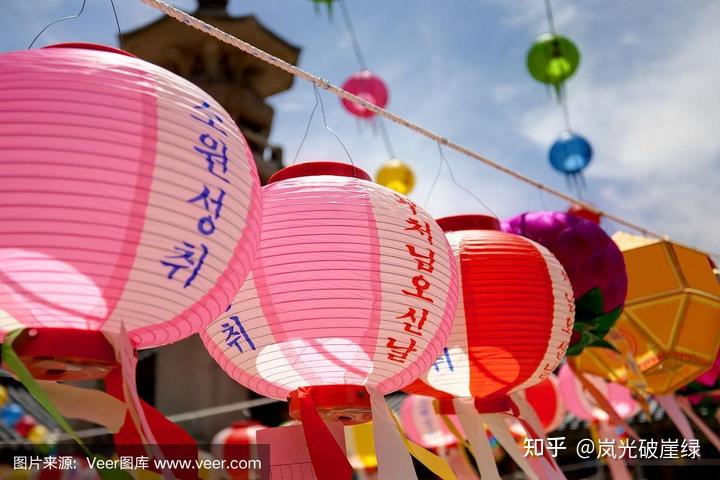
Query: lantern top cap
pixel 91 46
pixel 455 223
pixel 311 169
pixel 247 422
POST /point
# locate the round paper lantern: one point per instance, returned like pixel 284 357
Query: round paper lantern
pixel 570 154
pixel 38 435
pixel 592 261
pixel 130 200
pixel 424 426
pixel 368 86
pixel 514 316
pixel 669 327
pixel 545 399
pixel 552 59
pixel 353 285
pixel 11 414
pixel 23 426
pixel 237 441
pixel 3 395
pixel 582 405
pixel 396 175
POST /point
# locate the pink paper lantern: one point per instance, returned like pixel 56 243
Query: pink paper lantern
pixel 582 405
pixel 353 285
pixel 129 198
pixel 368 86
pixel 424 426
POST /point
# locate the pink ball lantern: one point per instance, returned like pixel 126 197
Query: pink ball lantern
pixel 581 404
pixel 130 201
pixel 368 86
pixel 353 285
pixel 424 426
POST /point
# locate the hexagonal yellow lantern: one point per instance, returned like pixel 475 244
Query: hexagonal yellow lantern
pixel 669 332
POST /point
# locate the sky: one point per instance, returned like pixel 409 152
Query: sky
pixel 646 95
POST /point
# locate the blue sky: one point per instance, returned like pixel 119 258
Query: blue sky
pixel 646 94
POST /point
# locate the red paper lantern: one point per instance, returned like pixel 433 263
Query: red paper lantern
pixel 514 316
pixel 368 86
pixel 237 442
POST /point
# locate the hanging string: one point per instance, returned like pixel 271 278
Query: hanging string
pixel 322 111
pixel 318 81
pixel 444 161
pixel 117 22
pixel 565 108
pixel 363 66
pixel 307 128
pixel 82 8
pixel 550 19
pixel 353 36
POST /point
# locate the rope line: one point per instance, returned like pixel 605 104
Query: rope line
pixel 320 82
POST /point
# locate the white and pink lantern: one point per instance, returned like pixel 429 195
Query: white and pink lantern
pixel 130 202
pixel 351 296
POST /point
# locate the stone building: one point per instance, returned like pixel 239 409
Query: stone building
pixel 183 377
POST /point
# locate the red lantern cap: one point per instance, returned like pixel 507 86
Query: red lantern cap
pixel 349 404
pixel 91 46
pixel 455 223
pixel 65 353
pixel 585 213
pixel 310 169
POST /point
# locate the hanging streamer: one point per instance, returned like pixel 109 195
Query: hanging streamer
pixel 602 402
pixel 86 404
pixel 17 367
pixel 671 407
pixel 702 426
pixel 618 467
pixel 328 459
pixel 479 445
pixel 390 449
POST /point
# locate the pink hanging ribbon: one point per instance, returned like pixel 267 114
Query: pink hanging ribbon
pixel 618 467
pixel 603 402
pixel 702 426
pixel 671 407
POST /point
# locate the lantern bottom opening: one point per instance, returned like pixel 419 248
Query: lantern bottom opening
pixel 348 404
pixel 62 354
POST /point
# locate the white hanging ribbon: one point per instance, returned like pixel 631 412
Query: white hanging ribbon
pixel 394 460
pixel 470 421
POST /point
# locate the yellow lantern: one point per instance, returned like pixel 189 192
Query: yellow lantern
pixel 669 332
pixel 3 395
pixel 396 175
pixel 38 434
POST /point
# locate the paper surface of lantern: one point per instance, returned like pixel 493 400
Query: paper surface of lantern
pixel 424 426
pixel 546 401
pixel 552 59
pixel 514 316
pixel 570 153
pixel 129 199
pixel 353 285
pixel 368 86
pixel 396 175
pixel 582 405
pixel 592 261
pixel 669 328
pixel 238 442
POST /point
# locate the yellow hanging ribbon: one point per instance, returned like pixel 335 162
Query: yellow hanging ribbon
pixel 435 464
